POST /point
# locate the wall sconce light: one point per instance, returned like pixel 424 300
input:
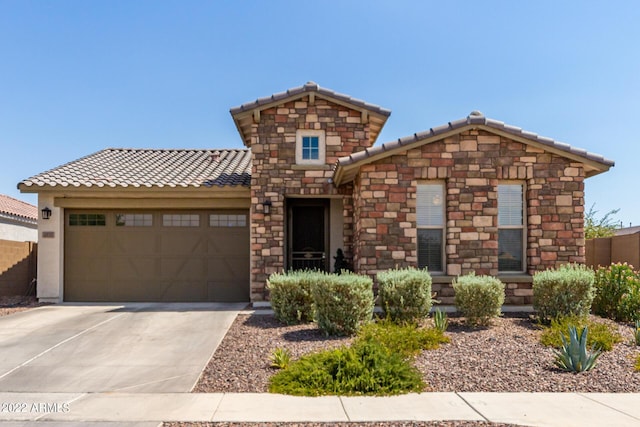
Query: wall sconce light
pixel 46 213
pixel 266 207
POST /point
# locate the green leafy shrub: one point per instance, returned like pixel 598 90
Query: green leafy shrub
pixel 280 358
pixel 636 332
pixel 342 303
pixel 404 339
pixel 573 356
pixel 617 292
pixel 366 368
pixel 479 298
pixel 405 294
pixel 290 295
pixel 565 291
pixel 600 335
pixel 440 320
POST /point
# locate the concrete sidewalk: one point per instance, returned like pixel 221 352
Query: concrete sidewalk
pixel 147 409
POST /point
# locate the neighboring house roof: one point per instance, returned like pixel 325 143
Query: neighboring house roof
pixel 628 230
pixel 347 167
pixel 17 209
pixel 247 114
pixel 122 167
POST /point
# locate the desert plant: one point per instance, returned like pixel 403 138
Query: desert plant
pixel 404 339
pixel 600 335
pixel 637 364
pixel 605 226
pixel 617 293
pixel 342 303
pixel 290 295
pixel 440 320
pixel 636 332
pixel 405 294
pixel 479 298
pixel 363 369
pixel 574 356
pixel 565 291
pixel 280 358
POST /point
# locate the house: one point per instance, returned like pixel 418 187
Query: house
pixel 194 225
pixel 18 250
pixel 18 220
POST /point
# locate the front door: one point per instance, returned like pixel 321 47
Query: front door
pixel 308 234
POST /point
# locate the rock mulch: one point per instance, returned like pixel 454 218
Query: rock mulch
pixel 14 304
pixel 506 357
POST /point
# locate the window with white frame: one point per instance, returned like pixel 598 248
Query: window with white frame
pixel 181 220
pixel 511 228
pixel 430 219
pixel 310 147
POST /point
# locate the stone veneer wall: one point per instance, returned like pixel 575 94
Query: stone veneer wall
pixel 471 165
pixel 275 175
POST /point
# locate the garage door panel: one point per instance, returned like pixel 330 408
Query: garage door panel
pixel 147 260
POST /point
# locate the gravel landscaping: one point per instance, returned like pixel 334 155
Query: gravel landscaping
pixel 10 305
pixel 506 357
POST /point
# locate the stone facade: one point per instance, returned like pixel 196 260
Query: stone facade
pixel 471 165
pixel 276 177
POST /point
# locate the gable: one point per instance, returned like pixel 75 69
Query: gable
pixel 347 167
pixel 248 114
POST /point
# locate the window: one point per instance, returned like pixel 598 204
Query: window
pixel 134 220
pixel 430 208
pixel 510 228
pixel 216 220
pixel 310 147
pixel 90 220
pixel 181 220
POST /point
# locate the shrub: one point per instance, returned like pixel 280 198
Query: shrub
pixel 280 358
pixel 636 333
pixel 637 365
pixel 600 335
pixel 565 291
pixel 290 295
pixel 342 303
pixel 406 339
pixel 363 369
pixel 479 298
pixel 405 294
pixel 574 356
pixel 440 320
pixel 617 292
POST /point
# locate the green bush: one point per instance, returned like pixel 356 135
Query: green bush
pixel 290 295
pixel 600 335
pixel 405 339
pixel 479 298
pixel 342 303
pixel 364 369
pixel 637 364
pixel 565 291
pixel 617 292
pixel 405 294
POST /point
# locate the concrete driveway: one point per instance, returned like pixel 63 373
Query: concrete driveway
pixel 133 348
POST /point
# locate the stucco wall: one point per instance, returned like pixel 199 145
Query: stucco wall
pixel 18 231
pixel 50 252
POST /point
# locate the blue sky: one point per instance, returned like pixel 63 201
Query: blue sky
pixel 80 76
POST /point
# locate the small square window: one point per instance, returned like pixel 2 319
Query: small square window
pixel 180 220
pixel 310 147
pixel 88 220
pixel 216 220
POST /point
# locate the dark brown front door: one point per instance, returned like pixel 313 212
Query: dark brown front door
pixel 308 234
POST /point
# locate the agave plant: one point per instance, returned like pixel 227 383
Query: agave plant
pixel 280 358
pixel 574 356
pixel 440 320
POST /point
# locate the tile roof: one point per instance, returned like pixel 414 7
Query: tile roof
pixel 474 119
pixel 17 208
pixel 309 87
pixel 121 167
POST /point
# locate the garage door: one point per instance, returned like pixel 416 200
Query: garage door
pixel 178 256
